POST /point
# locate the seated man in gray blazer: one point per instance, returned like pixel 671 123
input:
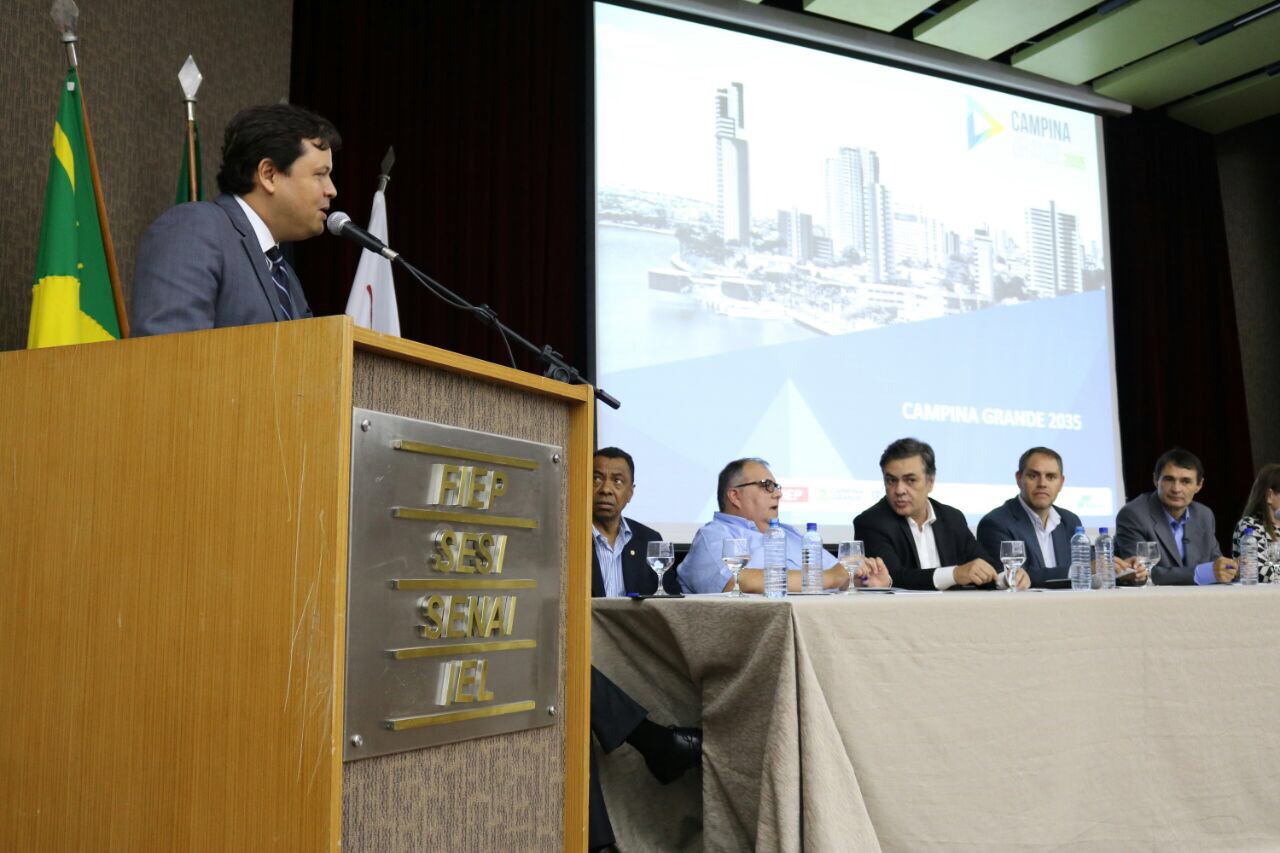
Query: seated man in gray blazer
pixel 1189 551
pixel 217 263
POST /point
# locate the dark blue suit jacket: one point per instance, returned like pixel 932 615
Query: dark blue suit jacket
pixel 636 574
pixel 1009 521
pixel 200 266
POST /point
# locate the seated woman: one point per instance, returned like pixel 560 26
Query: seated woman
pixel 1262 513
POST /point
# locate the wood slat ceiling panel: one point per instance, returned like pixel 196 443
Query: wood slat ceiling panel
pixel 986 28
pixel 877 14
pixel 1231 106
pixel 1101 43
pixel 1187 67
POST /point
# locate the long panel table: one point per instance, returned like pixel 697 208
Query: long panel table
pixel 1134 719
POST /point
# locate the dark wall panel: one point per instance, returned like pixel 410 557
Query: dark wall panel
pixel 486 106
pixel 1177 351
pixel 130 53
pixel 1250 174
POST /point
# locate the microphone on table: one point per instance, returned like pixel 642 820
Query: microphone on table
pixel 340 225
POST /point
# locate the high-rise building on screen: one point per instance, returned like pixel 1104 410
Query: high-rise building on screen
pixel 795 232
pixel 733 185
pixel 1053 252
pixel 859 216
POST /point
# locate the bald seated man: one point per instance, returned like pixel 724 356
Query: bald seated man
pixel 748 496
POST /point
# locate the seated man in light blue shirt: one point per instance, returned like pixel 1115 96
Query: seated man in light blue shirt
pixel 1185 529
pixel 748 498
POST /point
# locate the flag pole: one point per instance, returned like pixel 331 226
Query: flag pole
pixel 385 169
pixel 190 78
pixel 191 154
pixel 64 14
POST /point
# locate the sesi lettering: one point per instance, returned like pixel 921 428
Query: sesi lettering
pixel 466 552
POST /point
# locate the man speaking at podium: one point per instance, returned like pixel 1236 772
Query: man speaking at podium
pixel 218 263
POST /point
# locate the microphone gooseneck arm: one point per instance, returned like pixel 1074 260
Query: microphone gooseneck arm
pixel 339 224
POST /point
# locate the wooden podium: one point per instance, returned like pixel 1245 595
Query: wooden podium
pixel 173 549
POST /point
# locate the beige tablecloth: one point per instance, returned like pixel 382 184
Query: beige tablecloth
pixel 1143 719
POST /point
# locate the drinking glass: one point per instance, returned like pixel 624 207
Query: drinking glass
pixel 1012 555
pixel 660 556
pixel 1148 553
pixel 735 553
pixel 851 555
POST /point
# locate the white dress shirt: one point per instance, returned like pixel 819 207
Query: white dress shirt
pixel 610 557
pixel 927 550
pixel 1044 532
pixel 260 229
pixel 944 577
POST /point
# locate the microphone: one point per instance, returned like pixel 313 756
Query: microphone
pixel 340 225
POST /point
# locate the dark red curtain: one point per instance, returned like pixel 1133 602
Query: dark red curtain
pixel 1177 352
pixel 487 106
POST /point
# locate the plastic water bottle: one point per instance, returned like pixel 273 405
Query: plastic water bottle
pixel 1249 557
pixel 811 560
pixel 1081 550
pixel 1104 547
pixel 775 561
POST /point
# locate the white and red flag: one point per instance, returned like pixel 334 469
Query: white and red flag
pixel 372 303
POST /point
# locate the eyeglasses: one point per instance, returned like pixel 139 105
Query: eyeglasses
pixel 768 485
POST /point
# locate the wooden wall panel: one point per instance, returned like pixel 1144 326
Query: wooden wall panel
pixel 173 538
pixel 173 549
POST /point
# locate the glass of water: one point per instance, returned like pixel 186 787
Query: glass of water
pixel 660 556
pixel 1012 555
pixel 735 553
pixel 851 555
pixel 1148 554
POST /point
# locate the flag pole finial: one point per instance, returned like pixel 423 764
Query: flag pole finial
pixel 65 13
pixel 384 176
pixel 190 78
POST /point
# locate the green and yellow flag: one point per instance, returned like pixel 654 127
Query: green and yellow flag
pixel 72 301
pixel 184 177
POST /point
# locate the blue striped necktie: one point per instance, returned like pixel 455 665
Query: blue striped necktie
pixel 280 275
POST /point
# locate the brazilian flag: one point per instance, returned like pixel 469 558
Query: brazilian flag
pixel 184 179
pixel 72 301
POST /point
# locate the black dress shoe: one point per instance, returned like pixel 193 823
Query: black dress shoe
pixel 676 754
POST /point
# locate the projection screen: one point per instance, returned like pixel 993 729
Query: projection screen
pixel 802 256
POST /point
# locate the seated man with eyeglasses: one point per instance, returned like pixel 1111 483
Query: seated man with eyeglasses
pixel 748 498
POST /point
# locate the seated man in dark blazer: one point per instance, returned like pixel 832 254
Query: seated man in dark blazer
pixel 1032 518
pixel 618 564
pixel 1189 552
pixel 924 544
pixel 618 567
